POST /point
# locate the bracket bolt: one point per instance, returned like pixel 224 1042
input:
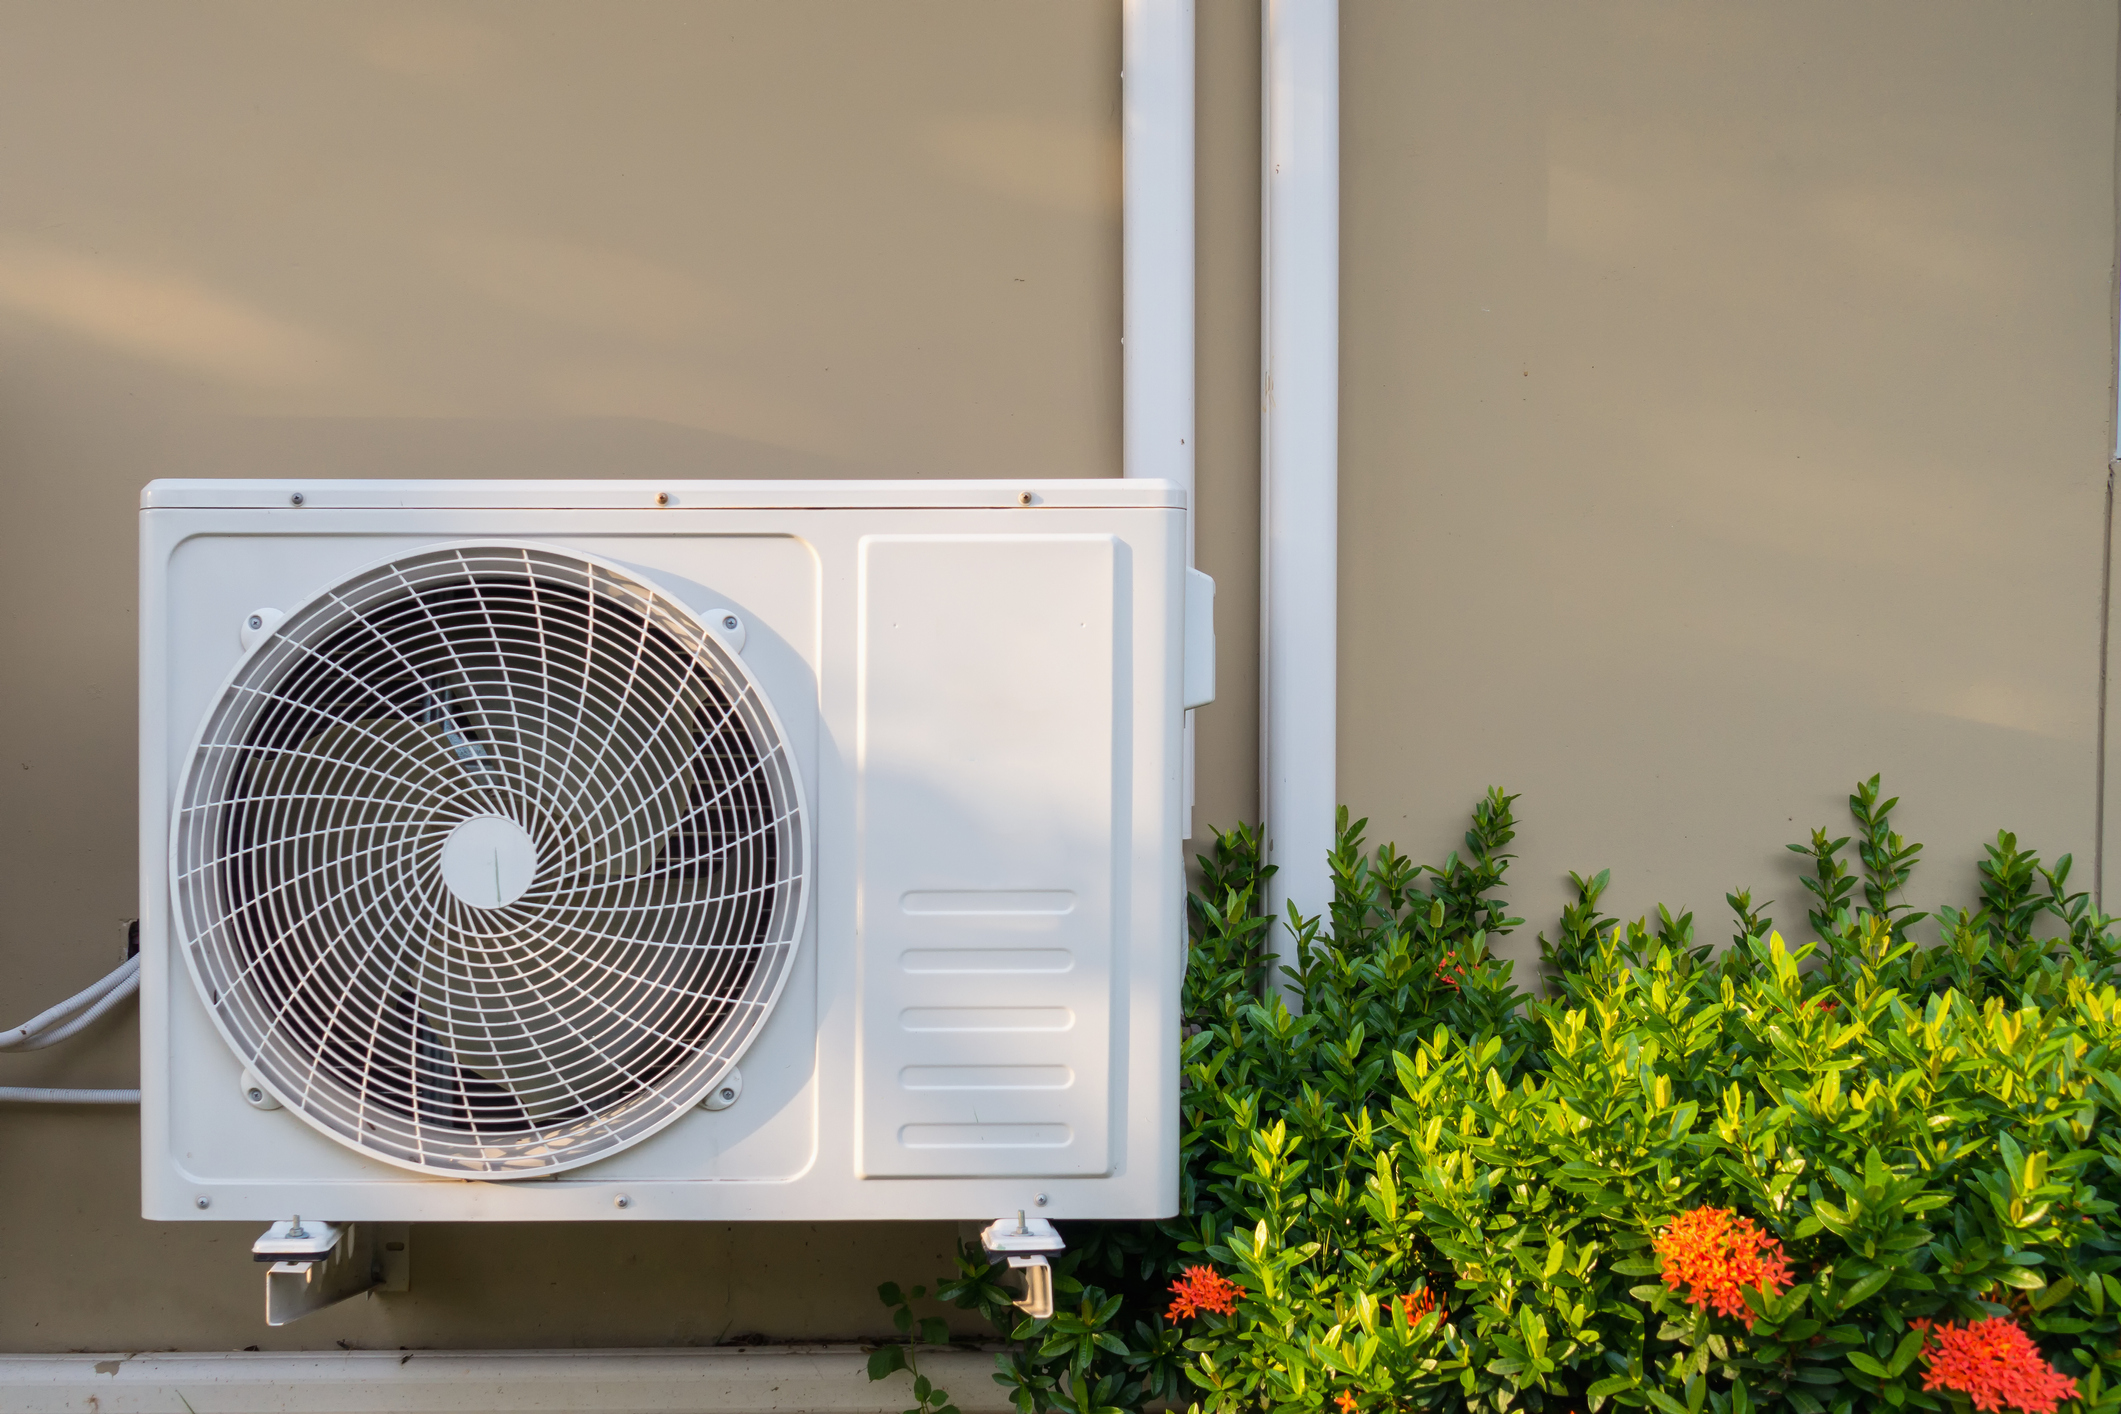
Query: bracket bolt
pixel 1042 1200
pixel 1023 498
pixel 295 500
pixel 202 1201
pixel 662 498
pixel 622 1201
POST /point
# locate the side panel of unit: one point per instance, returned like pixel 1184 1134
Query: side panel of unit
pixel 993 682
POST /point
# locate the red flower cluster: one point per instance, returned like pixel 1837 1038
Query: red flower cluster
pixel 1996 1363
pixel 1416 1304
pixel 1450 971
pixel 1203 1289
pixel 1714 1255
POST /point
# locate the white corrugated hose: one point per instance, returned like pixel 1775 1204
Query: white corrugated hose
pixel 69 1018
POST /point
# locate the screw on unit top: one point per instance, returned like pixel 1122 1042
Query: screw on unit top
pixel 1023 498
pixel 295 500
pixel 662 498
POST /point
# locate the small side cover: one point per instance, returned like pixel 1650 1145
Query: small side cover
pixel 990 681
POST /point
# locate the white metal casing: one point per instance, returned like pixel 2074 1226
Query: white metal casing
pixel 982 685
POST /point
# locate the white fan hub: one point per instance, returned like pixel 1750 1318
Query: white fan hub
pixel 488 861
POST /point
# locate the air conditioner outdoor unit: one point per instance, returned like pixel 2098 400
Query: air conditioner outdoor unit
pixel 675 850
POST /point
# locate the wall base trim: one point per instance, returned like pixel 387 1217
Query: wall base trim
pixel 812 1379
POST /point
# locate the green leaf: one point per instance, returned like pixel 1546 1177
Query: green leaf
pixel 1904 1353
pixel 886 1360
pixel 1535 1332
pixel 1865 1289
pixel 890 1295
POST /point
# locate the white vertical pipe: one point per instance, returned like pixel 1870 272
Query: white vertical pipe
pixel 1156 88
pixel 1299 446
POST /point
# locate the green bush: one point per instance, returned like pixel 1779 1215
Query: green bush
pixel 1440 1192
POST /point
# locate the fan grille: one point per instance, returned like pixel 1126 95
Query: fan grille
pixel 644 821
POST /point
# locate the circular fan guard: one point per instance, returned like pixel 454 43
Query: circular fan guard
pixel 632 784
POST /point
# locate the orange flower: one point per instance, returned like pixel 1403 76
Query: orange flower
pixel 1203 1289
pixel 1996 1363
pixel 1715 1255
pixel 1346 1402
pixel 1416 1304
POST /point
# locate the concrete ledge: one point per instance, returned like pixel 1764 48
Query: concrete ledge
pixel 816 1379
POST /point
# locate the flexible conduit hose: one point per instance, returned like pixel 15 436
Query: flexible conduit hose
pixel 55 1024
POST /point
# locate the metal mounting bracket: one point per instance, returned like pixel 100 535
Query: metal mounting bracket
pixel 1023 1243
pixel 317 1264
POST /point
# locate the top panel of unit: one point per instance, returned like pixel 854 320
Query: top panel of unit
pixel 1082 493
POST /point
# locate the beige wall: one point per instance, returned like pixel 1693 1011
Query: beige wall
pixel 1725 415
